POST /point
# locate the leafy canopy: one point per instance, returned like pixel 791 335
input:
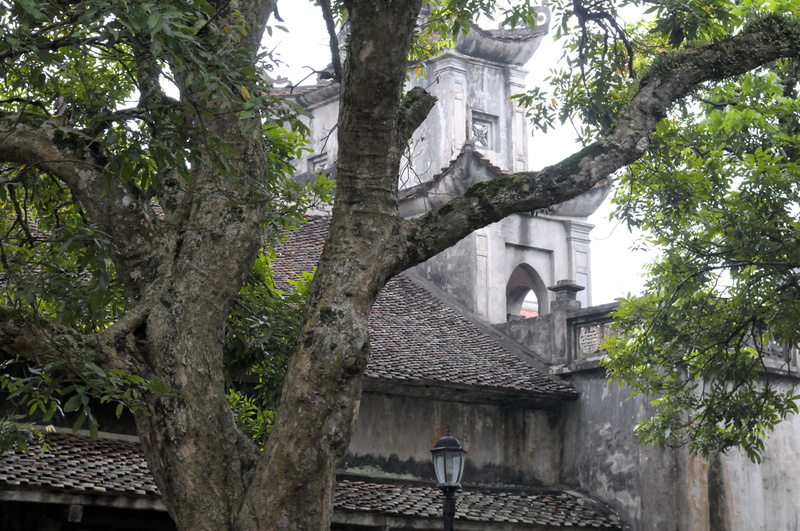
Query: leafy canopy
pixel 105 69
pixel 710 338
pixel 718 192
pixel 719 195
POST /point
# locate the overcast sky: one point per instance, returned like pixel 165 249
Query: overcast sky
pixel 615 268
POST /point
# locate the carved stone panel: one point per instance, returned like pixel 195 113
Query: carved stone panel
pixel 484 131
pixel 589 339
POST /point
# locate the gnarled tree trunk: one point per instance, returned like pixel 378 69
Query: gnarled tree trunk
pixel 323 386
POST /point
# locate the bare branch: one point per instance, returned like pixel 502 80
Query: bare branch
pixel 333 41
pixel 24 101
pixel 55 44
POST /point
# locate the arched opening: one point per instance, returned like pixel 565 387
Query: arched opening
pixel 526 294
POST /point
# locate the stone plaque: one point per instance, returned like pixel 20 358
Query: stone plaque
pixel 589 340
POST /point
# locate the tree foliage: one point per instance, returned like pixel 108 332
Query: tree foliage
pixel 718 195
pixel 100 68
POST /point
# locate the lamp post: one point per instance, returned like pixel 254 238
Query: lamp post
pixel 448 463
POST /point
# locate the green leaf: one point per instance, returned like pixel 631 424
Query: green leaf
pixel 154 22
pixel 78 424
pixel 31 7
pixel 73 403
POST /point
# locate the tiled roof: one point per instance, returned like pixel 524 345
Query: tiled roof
pixel 79 465
pixel 301 253
pixel 555 509
pixel 417 337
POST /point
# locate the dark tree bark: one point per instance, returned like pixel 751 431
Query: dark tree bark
pixel 183 272
pixel 325 375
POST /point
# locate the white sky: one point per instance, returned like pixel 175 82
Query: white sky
pixel 616 268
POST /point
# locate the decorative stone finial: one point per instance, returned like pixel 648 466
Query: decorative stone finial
pixel 566 290
pixel 566 295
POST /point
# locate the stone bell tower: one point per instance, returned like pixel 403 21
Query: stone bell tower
pixel 500 272
pixel 503 271
pixel 474 83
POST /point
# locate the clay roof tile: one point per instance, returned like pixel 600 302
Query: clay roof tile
pixel 79 465
pixel 415 336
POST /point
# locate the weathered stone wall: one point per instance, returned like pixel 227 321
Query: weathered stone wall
pixel 507 444
pixel 477 269
pixel 323 104
pixel 474 104
pixel 657 490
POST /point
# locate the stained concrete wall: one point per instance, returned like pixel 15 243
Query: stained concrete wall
pixel 323 104
pixel 661 490
pixel 507 444
pixel 455 271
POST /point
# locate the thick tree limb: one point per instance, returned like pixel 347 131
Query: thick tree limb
pixel 323 384
pixel 72 156
pixel 181 276
pixel 255 14
pixel 30 337
pixel 669 79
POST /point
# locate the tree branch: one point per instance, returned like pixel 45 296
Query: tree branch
pixel 169 188
pixel 106 120
pixel 55 44
pixel 76 160
pixel 333 41
pixel 33 338
pixel 670 78
pixel 414 108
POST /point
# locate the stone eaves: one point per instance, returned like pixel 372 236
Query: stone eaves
pixel 468 168
pixel 505 46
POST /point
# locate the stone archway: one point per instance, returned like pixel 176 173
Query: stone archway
pixel 526 294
